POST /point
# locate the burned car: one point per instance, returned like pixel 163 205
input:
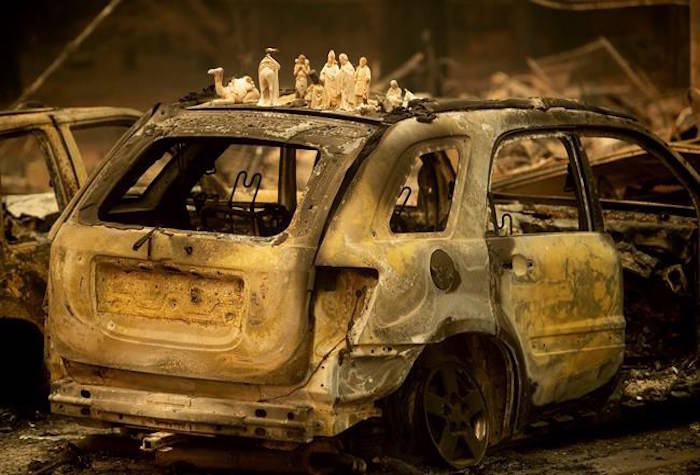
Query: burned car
pixel 45 156
pixel 289 274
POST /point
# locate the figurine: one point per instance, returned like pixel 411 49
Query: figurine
pixel 393 97
pixel 268 74
pixel 314 96
pixel 347 87
pixel 331 82
pixel 238 90
pixel 301 75
pixel 363 78
pixel 408 96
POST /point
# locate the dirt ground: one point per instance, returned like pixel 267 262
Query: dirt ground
pixel 672 450
pixel 642 442
pixel 651 425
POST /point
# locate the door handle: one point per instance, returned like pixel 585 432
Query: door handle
pixel 519 265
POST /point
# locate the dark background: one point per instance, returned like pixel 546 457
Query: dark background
pixel 157 50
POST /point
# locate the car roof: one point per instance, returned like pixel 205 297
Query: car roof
pixel 532 103
pixel 425 109
pixel 18 119
pixel 32 110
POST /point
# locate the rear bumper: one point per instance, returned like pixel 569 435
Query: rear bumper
pixel 182 413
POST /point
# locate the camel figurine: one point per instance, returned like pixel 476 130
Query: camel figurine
pixel 238 90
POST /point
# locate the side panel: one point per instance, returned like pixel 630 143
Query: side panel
pixel 24 253
pixel 23 280
pixel 407 307
pixel 562 295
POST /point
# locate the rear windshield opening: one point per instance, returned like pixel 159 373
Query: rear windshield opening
pixel 213 184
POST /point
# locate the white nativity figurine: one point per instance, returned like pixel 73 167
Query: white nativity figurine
pixel 302 68
pixel 393 97
pixel 238 90
pixel 268 74
pixel 331 82
pixel 363 79
pixel 408 96
pixel 347 83
pixel 315 95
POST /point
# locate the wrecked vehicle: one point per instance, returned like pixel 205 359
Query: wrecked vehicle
pixel 45 156
pixel 289 274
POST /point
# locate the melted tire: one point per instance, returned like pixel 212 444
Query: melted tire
pixel 440 416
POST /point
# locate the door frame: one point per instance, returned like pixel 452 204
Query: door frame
pixel 684 172
pixel 589 218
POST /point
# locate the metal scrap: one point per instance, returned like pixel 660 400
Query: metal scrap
pixel 597 73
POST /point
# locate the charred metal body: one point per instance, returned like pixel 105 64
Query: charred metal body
pixel 24 247
pixel 25 219
pixel 284 321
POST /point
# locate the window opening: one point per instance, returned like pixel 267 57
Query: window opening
pixel 28 198
pixel 534 188
pixel 425 198
pixel 215 185
pixel 94 141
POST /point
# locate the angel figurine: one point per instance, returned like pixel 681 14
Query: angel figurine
pixel 302 68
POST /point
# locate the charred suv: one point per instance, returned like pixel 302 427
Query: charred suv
pixel 46 154
pixel 288 274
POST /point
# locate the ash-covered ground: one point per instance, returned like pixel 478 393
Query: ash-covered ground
pixel 659 449
pixel 652 426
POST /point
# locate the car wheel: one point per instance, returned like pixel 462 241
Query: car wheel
pixel 451 413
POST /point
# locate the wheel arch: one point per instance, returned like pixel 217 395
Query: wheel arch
pixel 497 368
pixel 22 361
pixel 17 311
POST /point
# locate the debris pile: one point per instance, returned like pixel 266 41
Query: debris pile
pixel 595 73
pixel 27 219
pixel 70 455
pixel 659 383
pixel 526 155
pixel 657 255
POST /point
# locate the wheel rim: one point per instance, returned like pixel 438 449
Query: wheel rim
pixel 455 416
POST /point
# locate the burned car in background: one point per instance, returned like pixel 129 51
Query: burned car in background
pixel 46 155
pixel 289 274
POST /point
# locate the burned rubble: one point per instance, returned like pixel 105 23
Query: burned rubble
pixel 597 73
